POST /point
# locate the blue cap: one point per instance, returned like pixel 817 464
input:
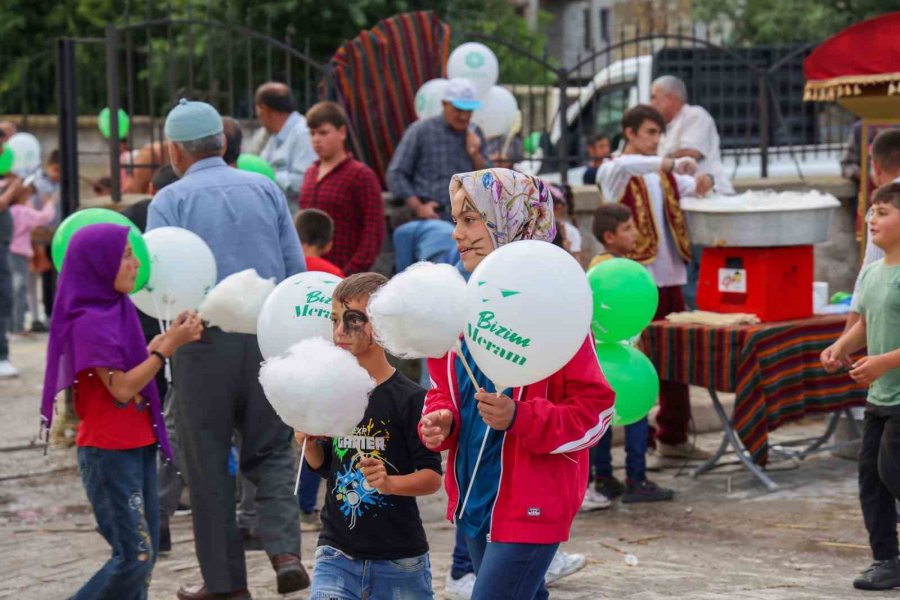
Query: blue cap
pixel 461 94
pixel 190 121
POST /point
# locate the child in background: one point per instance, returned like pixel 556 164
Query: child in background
pixel 614 228
pixel 41 272
pixel 97 348
pixel 877 331
pixel 25 220
pixel 564 212
pixel 374 548
pixel 316 230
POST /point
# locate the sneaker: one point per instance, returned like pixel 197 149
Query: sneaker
pixel 459 589
pixel 594 500
pixel 881 575
pixel 563 565
pixel 646 491
pixel 684 450
pixel 610 487
pixel 310 521
pixel 7 370
pixel 39 327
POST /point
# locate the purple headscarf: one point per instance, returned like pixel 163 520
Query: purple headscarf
pixel 93 325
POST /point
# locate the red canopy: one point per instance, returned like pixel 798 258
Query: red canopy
pixel 867 53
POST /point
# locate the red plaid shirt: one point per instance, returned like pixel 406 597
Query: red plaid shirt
pixel 351 195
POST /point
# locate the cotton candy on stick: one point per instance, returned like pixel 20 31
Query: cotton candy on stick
pixel 421 312
pixel 236 301
pixel 317 388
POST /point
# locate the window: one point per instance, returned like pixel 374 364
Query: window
pixel 605 24
pixel 587 29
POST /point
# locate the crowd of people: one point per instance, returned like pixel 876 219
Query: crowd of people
pixel 324 211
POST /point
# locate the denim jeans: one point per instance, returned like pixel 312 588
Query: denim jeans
pixel 19 267
pixel 339 577
pixel 635 452
pixel 510 571
pixel 121 486
pixel 462 562
pixel 309 490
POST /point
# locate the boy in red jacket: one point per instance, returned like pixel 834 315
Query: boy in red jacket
pixel 534 467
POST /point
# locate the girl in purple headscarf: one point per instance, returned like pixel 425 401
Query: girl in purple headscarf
pixel 97 349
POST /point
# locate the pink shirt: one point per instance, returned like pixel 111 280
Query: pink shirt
pixel 25 219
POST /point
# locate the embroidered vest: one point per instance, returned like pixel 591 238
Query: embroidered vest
pixel 637 198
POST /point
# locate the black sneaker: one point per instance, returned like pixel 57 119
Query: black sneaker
pixel 610 487
pixel 646 491
pixel 165 538
pixel 38 327
pixel 881 575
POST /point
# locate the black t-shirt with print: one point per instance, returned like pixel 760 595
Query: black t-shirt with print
pixel 356 519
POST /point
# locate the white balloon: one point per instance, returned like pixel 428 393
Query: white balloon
pixel 26 152
pixel 317 388
pixel 420 312
pixel 298 309
pixel 429 97
pixel 475 62
pixel 182 272
pixel 497 112
pixel 528 311
pixel 235 303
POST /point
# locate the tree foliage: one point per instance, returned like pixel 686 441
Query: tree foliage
pixel 788 21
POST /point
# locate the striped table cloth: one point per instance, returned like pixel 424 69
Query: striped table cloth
pixel 772 368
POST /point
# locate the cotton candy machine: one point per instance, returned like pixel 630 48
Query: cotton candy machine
pixel 759 251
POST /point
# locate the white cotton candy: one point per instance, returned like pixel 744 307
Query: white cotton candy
pixel 317 388
pixel 761 200
pixel 420 312
pixel 234 304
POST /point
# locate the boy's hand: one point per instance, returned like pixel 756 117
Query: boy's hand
pixel 834 359
pixel 301 438
pixel 868 369
pixel 376 475
pixel 436 427
pixel 496 410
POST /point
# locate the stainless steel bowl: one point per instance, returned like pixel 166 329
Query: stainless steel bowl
pixel 793 227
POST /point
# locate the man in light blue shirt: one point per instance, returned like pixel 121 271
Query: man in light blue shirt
pixel 289 148
pixel 244 219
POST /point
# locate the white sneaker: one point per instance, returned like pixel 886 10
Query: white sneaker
pixel 7 370
pixel 563 565
pixel 594 500
pixel 459 589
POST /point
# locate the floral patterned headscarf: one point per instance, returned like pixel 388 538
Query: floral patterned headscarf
pixel 514 206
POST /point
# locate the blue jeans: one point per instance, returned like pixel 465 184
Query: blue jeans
pixel 424 240
pixel 462 562
pixel 510 571
pixel 121 486
pixel 693 275
pixel 635 452
pixel 339 577
pixel 309 489
pixel 6 300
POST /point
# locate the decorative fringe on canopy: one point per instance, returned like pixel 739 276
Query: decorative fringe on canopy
pixel 829 90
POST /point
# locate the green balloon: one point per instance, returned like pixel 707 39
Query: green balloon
pixel 7 158
pixel 531 143
pixel 625 299
pixel 632 377
pixel 104 124
pixel 92 216
pixel 255 164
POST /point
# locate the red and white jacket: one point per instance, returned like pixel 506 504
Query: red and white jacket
pixel 544 470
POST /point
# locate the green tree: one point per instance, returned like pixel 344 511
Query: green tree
pixel 788 21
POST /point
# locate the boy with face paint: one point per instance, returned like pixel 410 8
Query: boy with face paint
pixel 373 543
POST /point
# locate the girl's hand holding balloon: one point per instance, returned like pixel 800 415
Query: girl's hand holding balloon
pixel 186 328
pixel 496 410
pixel 436 427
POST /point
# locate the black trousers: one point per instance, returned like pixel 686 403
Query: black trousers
pixel 879 478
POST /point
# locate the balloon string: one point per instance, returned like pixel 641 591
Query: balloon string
pixel 163 327
pixel 474 471
pixel 300 468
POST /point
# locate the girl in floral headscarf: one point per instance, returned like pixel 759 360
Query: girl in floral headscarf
pixel 534 466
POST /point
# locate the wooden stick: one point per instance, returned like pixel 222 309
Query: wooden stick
pixel 300 468
pixel 465 363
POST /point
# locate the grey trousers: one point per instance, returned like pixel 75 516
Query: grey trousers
pixel 217 391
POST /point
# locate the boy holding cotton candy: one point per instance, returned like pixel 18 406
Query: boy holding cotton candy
pixel 373 543
pixel 534 466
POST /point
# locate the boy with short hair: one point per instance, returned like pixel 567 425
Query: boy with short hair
pixel 877 330
pixel 316 231
pixel 614 228
pixel 374 548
